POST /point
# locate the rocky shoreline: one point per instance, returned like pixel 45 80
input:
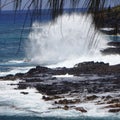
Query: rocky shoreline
pixel 86 82
pixel 113 48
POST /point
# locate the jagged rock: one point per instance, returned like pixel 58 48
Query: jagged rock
pixel 91 64
pixel 111 50
pixel 116 44
pixel 114 110
pixel 38 70
pixel 19 75
pixel 53 89
pixel 90 68
pixel 22 86
pixel 95 77
pixel 110 32
pixel 106 79
pixel 99 68
pixel 113 101
pixel 8 77
pixel 25 93
pixel 42 69
pixel 59 107
pixel 65 107
pixel 106 98
pixel 65 101
pixel 81 109
pixel 93 97
pixel 113 105
pixel 60 71
pixel 114 48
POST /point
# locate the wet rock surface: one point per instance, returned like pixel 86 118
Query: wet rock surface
pixel 114 110
pixel 89 79
pixel 81 109
pixel 24 93
pixel 66 101
pixel 113 48
pixel 88 76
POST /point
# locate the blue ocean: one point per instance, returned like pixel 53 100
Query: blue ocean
pixel 14 30
pixel 15 34
pixel 52 118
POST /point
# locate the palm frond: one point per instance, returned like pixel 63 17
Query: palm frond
pixel 95 7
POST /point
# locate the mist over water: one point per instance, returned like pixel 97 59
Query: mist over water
pixel 71 39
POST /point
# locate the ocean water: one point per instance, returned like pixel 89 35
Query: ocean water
pixel 43 44
pixel 14 31
pixel 10 31
pixel 52 118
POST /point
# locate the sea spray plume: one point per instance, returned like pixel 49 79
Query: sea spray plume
pixel 34 8
pixel 47 45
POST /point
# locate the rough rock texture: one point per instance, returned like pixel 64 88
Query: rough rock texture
pixel 89 79
pixel 81 109
pixel 65 101
pixel 113 48
pixel 114 110
pixel 93 97
pixel 111 17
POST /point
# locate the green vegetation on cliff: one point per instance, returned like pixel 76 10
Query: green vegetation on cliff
pixel 110 17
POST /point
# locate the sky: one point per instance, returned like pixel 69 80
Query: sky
pixel 9 4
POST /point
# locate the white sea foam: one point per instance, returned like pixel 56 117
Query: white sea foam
pixel 15 66
pixel 16 61
pixel 12 102
pixel 25 60
pixel 15 70
pixel 62 76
